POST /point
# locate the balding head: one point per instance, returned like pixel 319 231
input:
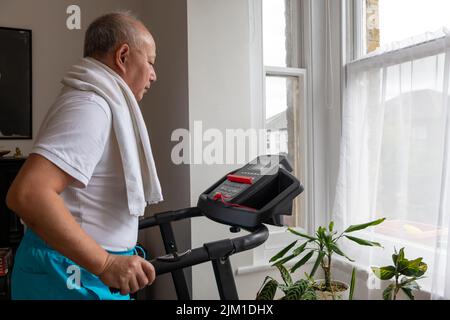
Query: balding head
pixel 106 33
pixel 124 44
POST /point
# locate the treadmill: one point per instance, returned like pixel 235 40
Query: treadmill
pixel 259 193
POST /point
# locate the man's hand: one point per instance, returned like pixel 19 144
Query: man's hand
pixel 127 273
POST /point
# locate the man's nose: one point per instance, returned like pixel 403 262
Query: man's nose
pixel 153 76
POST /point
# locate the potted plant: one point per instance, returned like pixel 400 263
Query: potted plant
pixel 299 290
pixel 323 245
pixel 405 272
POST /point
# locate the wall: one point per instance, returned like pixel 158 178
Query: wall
pixel 166 109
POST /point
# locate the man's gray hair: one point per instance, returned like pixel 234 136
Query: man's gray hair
pixel 109 31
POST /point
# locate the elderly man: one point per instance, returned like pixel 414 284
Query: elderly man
pixel 90 174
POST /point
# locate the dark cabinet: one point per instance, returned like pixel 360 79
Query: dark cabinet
pixel 11 229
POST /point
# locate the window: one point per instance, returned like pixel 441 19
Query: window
pixel 395 151
pixel 390 21
pixel 404 88
pixel 275 33
pixel 284 111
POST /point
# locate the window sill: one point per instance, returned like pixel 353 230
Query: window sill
pixel 246 270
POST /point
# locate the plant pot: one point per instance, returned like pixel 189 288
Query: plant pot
pixel 342 291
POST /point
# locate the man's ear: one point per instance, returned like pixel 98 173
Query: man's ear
pixel 121 57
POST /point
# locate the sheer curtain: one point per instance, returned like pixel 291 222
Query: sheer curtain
pixel 394 159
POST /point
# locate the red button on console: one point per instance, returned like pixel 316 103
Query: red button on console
pixel 240 179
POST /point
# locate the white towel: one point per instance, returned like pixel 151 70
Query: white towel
pixel 141 178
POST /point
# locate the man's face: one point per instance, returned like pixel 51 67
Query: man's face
pixel 140 72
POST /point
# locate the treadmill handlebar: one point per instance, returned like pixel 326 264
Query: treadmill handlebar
pixel 221 249
pixel 210 251
pixel 214 250
pixel 169 216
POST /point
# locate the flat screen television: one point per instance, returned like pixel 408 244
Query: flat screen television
pixel 15 84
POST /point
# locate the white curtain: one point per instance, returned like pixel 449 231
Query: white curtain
pixel 394 159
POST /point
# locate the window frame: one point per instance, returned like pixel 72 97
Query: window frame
pixel 355 20
pixel 278 237
pixel 301 130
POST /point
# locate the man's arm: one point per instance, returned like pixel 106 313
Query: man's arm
pixel 35 197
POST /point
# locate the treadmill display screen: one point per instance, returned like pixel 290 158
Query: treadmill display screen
pixel 255 170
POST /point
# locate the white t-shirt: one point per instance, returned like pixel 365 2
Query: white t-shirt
pixel 78 137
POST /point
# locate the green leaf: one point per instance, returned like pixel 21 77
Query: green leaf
pixel 415 263
pixel 281 254
pixel 294 254
pixel 336 249
pixel 388 293
pixel 352 284
pixel 285 275
pixel 402 265
pixel 292 293
pixel 329 242
pixel 401 255
pixel 384 273
pixel 408 293
pixel 283 261
pixel 395 258
pixel 268 290
pixel 321 234
pixel 364 226
pixel 415 268
pixel 283 287
pixel 410 283
pixel 298 251
pixel 398 256
pixel 331 226
pixel 416 272
pixel 309 293
pixel 302 261
pixel 301 234
pixel 301 290
pixel 364 242
pixel 316 265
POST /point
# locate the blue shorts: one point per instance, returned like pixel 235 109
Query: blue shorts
pixel 41 273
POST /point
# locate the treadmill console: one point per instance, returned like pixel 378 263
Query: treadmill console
pixel 238 182
pixel 260 192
